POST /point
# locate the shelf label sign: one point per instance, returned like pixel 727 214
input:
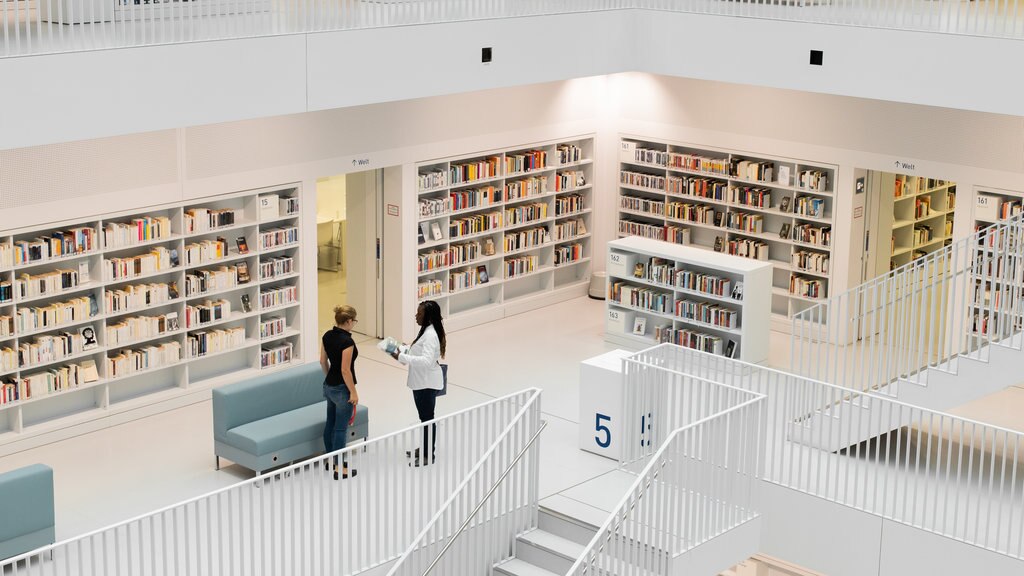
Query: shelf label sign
pixel 392 209
pixel 360 162
pixel 900 165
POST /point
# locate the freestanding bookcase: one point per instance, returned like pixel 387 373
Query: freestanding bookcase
pixel 995 304
pixel 777 210
pixel 503 229
pixel 111 314
pixel 660 292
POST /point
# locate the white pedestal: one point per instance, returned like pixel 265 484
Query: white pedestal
pixel 601 403
pixel 76 11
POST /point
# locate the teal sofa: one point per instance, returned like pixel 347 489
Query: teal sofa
pixel 275 418
pixel 26 510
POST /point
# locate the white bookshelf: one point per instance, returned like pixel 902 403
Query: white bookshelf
pixel 741 202
pixel 992 302
pixel 533 203
pixel 660 292
pixel 136 287
pixel 922 216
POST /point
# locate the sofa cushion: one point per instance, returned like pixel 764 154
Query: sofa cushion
pixel 27 504
pixel 280 431
pixel 264 396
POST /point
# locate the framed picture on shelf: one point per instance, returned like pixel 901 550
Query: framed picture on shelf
pixel 784 204
pixel 784 231
pixel 719 244
pixel 88 334
pixel 640 325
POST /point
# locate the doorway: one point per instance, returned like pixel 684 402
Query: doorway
pixel 348 238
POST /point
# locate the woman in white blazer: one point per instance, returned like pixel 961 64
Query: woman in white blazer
pixel 425 376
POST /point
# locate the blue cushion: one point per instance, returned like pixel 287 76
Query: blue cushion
pixel 27 505
pixel 266 395
pixel 280 431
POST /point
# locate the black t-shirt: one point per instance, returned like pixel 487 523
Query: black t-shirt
pixel 336 341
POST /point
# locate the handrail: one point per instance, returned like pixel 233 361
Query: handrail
pixel 531 404
pixel 471 515
pixel 954 302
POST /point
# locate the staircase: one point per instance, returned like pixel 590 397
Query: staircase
pixel 565 527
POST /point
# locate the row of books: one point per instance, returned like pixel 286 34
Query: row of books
pixel 6 291
pixel 135 328
pixel 432 260
pixel 48 381
pixel 470 171
pixel 695 340
pixel 699 213
pixel 809 234
pixel 516 162
pixel 1009 209
pixel 429 288
pixel 468 278
pixel 275 237
pixel 200 282
pixel 568 253
pixel 745 222
pixel 809 206
pixel 698 163
pixel 569 180
pixel 568 153
pixel 921 234
pixel 271 327
pixel 641 297
pixel 209 250
pixel 46 283
pixel 130 361
pixel 55 347
pixel 276 356
pixel 527 238
pixel 526 187
pixel 922 206
pixel 908 185
pixel 469 251
pixel 207 219
pixel 811 261
pixel 277 266
pixel 708 313
pixel 570 229
pixel 747 248
pixel 520 265
pixel 806 287
pixel 6 255
pixel 431 179
pixel 474 224
pixel 749 196
pixel 641 180
pixel 6 326
pixel 157 259
pixel 526 213
pixel 650 156
pixel 705 283
pixel 136 296
pixel 642 229
pixel 139 230
pixel 677 234
pixel 8 359
pixel 59 244
pixel 280 296
pixel 55 314
pixel 432 207
pixel 642 204
pixel 205 342
pixel 699 187
pixel 206 312
pixel 757 170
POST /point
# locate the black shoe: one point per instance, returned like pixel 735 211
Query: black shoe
pixel 422 462
pixel 349 472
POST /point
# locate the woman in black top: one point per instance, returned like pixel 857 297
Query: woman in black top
pixel 338 354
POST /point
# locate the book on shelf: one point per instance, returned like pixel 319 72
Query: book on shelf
pixel 737 291
pixel 242 272
pixel 435 231
pixel 640 325
pixel 784 231
pixel 783 175
pixel 719 244
pixel 730 349
pixel 784 204
pixel 88 334
pixel 638 270
pixel 424 230
pixel 243 245
pixel 246 303
pixel 89 372
pixel 481 272
pixel 488 249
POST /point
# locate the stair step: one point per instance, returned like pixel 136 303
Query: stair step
pixel 547 550
pixel 517 567
pixel 583 514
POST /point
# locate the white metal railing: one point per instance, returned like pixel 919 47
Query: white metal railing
pixel 494 503
pixel 956 301
pixel 44 26
pixel 931 470
pixel 296 520
pixel 700 483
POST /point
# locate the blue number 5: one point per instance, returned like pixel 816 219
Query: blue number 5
pixel 602 428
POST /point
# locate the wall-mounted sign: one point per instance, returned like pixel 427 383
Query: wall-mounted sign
pixel 392 209
pixel 858 212
pixel 360 162
pixel 904 165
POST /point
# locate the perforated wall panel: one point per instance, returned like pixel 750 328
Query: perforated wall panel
pixel 57 172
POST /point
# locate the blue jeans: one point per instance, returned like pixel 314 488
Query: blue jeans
pixel 339 411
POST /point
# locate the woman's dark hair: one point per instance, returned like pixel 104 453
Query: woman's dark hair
pixel 432 317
